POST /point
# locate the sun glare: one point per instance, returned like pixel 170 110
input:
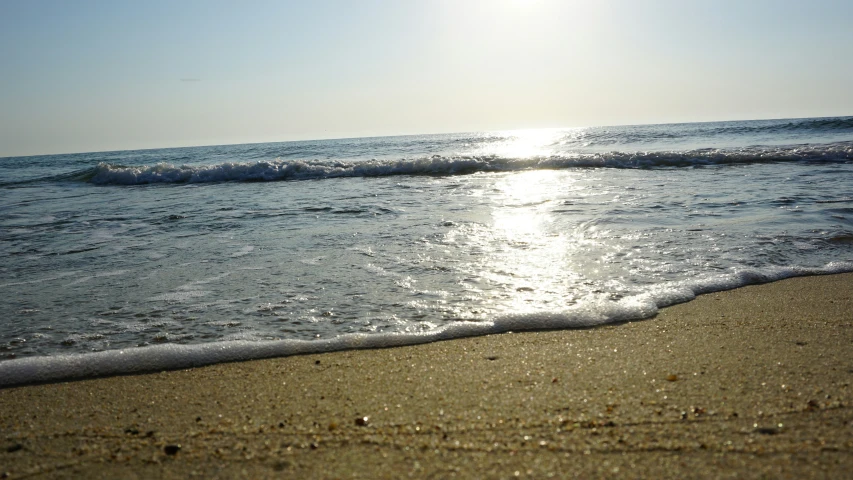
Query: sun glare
pixel 533 253
pixel 521 144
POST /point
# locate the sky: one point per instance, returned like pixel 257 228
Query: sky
pixel 83 76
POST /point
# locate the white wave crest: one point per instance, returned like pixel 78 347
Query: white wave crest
pixel 277 170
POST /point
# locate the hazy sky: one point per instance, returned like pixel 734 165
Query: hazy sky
pixel 90 75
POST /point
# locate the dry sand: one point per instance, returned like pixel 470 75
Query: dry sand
pixel 754 382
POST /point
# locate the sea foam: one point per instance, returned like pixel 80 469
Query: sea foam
pixel 590 312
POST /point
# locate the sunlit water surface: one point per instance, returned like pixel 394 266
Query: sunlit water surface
pixel 113 251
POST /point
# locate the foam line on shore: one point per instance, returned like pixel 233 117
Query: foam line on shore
pixel 589 313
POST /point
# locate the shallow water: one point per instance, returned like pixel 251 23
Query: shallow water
pixel 404 239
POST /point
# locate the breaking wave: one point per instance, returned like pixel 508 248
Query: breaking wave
pixel 279 170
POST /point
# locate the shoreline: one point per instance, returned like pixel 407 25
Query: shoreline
pixel 748 382
pixel 41 370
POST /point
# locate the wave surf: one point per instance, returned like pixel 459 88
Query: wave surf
pixel 282 170
pixel 593 312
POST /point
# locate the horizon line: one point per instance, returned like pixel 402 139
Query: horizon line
pixel 334 138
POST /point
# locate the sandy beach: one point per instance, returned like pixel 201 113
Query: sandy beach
pixel 753 382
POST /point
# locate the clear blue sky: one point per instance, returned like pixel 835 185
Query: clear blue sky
pixel 104 75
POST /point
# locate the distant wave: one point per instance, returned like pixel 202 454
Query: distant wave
pixel 818 125
pixel 278 170
pixel 281 170
pixel 654 134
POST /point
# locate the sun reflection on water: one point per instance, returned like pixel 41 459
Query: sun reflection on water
pixel 536 247
pixel 530 255
pixel 523 144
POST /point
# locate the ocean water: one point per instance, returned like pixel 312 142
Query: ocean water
pixel 119 262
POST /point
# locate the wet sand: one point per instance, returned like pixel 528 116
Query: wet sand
pixel 753 382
